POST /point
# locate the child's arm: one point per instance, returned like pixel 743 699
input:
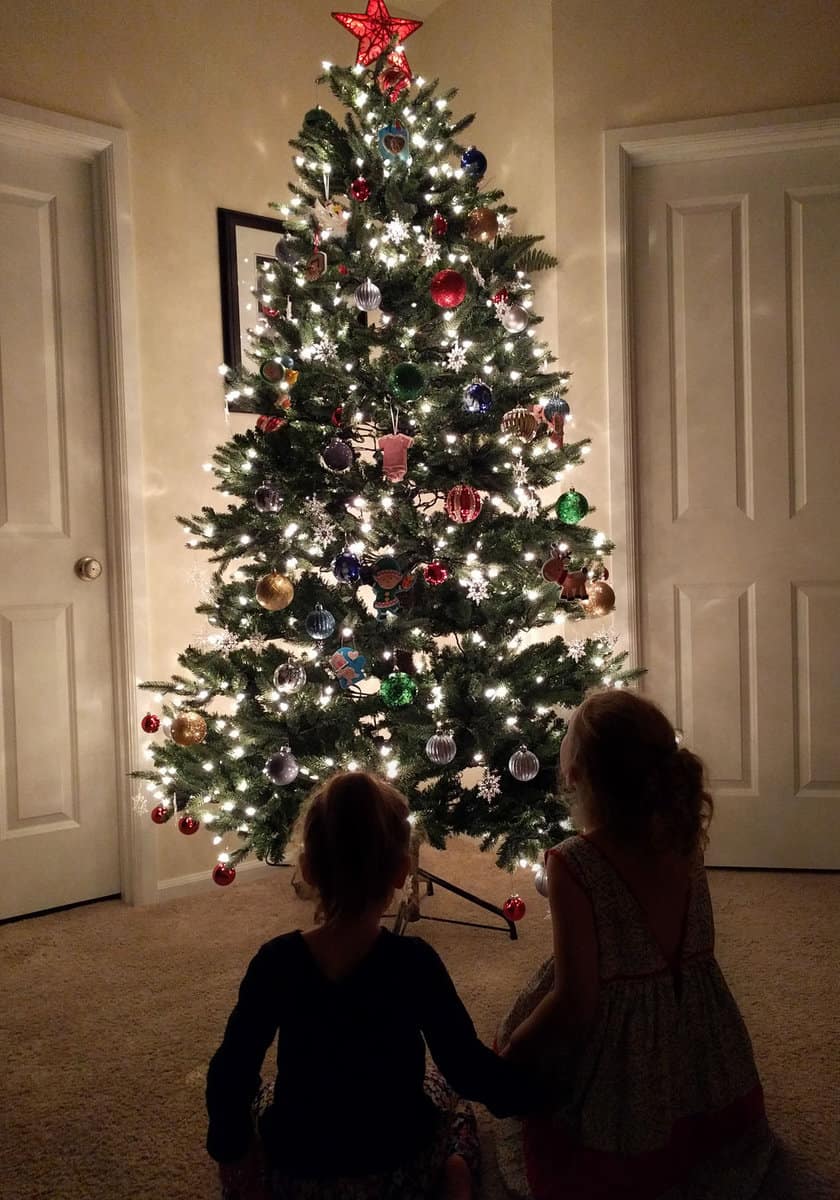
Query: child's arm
pixel 234 1075
pixel 471 1069
pixel 568 1009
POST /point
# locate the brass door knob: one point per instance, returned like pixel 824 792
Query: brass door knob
pixel 88 569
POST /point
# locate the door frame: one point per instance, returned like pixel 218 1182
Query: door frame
pixel 651 145
pixel 106 149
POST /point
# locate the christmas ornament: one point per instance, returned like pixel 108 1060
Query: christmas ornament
pixel 290 378
pixel 406 381
pixel 367 296
pixel 477 398
pixel 333 214
pixel 398 690
pixel 435 573
pixel 393 79
pixel 601 598
pixel 541 881
pixel 337 456
pixel 555 406
pixel 441 749
pixel 514 908
pixel 523 765
pixel 274 592
pixel 360 189
pixel 269 424
pixel 482 225
pixel 160 814
pixel 490 785
pixel 286 252
pixel 316 266
pixel 224 874
pixel 515 318
pixel 574 586
pixel 347 567
pixel 289 677
pixel 188 825
pixel 188 729
pixel 395 447
pixel 448 289
pixel 439 225
pixel 272 371
pixel 390 584
pixel 555 569
pixel 342 269
pixel 501 297
pixel 473 163
pixel 478 588
pixel 456 357
pixel 376 29
pixel 150 723
pixel 282 768
pixel 337 417
pixel 396 231
pixel 320 623
pixel 349 666
pixel 521 423
pixel 267 498
pixel 393 142
pixel 463 503
pixel 571 507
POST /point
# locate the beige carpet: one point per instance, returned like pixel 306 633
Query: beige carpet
pixel 108 1016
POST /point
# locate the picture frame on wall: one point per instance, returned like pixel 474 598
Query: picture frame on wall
pixel 246 242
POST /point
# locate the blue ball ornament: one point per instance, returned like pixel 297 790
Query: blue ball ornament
pixel 473 162
pixel 556 406
pixel 347 567
pixel 477 398
pixel 320 623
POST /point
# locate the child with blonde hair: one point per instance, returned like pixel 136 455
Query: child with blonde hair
pixel 353 1114
pixel 639 1040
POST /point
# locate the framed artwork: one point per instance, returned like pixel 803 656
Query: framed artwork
pixel 246 245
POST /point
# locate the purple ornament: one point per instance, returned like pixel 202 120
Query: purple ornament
pixel 337 456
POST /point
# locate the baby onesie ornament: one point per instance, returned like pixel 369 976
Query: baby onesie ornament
pixel 395 447
pixel 390 585
pixel 349 666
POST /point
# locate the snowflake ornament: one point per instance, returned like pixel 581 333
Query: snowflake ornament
pixel 529 502
pixel 478 588
pixel 576 651
pixel 456 358
pixel 396 231
pixel 520 473
pixel 429 251
pixel 323 527
pixel 325 351
pixel 504 222
pixel 490 786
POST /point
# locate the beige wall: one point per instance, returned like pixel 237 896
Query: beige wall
pixel 210 92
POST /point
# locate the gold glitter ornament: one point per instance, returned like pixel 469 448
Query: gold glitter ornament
pixel 274 592
pixel 188 729
pixel 601 600
pixel 482 225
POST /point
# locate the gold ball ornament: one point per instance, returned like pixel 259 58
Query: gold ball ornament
pixel 601 599
pixel 274 592
pixel 482 225
pixel 188 729
pixel 521 423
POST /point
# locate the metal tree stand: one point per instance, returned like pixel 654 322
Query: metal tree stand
pixel 410 909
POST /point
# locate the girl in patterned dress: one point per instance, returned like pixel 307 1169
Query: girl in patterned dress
pixel 638 1038
pixel 353 1115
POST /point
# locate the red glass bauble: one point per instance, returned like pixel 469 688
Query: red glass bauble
pixel 360 189
pixel 269 312
pixel 159 814
pixel 502 296
pixel 223 874
pixel 463 503
pixel 188 824
pixel 392 80
pixel 337 417
pixel 150 723
pixel 269 424
pixel 439 224
pixel 342 270
pixel 435 573
pixel 514 908
pixel 448 289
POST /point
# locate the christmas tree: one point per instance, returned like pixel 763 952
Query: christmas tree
pixel 393 580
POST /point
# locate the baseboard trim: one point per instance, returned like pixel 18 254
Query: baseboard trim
pixel 201 881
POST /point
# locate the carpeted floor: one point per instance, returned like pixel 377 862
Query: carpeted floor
pixel 108 1016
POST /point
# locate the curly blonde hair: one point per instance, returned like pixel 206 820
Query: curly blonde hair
pixel 633 778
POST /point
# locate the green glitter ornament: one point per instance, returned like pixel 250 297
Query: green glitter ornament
pixel 398 690
pixel 571 507
pixel 406 381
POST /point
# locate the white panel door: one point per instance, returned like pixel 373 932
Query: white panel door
pixel 58 805
pixel 736 289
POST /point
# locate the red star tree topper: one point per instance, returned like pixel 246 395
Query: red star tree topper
pixel 376 29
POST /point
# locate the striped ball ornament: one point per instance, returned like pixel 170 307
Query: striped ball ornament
pixel 463 503
pixel 441 749
pixel 367 296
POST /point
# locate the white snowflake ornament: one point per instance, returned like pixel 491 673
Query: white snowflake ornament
pixel 456 358
pixel 576 651
pixel 429 251
pixel 490 786
pixel 396 231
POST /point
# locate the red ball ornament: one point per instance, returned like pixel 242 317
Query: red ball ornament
pixel 435 573
pixel 448 289
pixel 223 874
pixel 360 189
pixel 342 270
pixel 337 417
pixel 159 814
pixel 514 908
pixel 188 824
pixel 439 225
pixel 269 424
pixel 393 79
pixel 502 296
pixel 150 723
pixel 463 503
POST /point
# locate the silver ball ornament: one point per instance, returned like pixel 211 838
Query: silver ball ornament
pixel 289 676
pixel 541 881
pixel 441 749
pixel 367 296
pixel 523 765
pixel 282 768
pixel 515 318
